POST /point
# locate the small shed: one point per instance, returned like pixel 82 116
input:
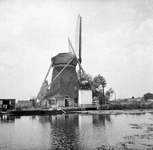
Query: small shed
pixel 7 104
pixel 85 97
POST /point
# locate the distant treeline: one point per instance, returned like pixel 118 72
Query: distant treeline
pixel 124 106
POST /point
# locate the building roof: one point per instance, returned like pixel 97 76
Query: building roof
pixel 7 99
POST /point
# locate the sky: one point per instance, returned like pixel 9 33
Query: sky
pixel 117 42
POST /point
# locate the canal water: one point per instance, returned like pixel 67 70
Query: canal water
pixel 76 132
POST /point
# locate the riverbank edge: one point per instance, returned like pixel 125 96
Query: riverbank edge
pixel 79 111
pixel 115 112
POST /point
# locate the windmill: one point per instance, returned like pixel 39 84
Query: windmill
pixel 64 84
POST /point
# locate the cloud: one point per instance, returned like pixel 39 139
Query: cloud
pixel 124 56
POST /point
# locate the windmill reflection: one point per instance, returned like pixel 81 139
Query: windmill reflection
pixel 69 130
pixel 64 131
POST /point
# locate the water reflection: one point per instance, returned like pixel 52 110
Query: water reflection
pixel 64 131
pixel 69 131
pixel 137 114
pixel 101 119
pixel 33 117
pixel 8 118
pixel 45 119
pixel 72 131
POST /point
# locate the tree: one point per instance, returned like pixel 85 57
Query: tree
pixel 84 81
pixel 99 82
pixel 109 94
pixel 148 96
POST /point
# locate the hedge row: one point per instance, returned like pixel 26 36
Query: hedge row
pixel 119 106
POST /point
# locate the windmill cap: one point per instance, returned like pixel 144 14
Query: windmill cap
pixel 64 58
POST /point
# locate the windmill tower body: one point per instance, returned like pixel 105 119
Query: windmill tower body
pixel 65 87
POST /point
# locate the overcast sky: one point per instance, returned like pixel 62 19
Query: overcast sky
pixel 117 42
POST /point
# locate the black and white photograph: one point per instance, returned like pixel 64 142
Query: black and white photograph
pixel 76 75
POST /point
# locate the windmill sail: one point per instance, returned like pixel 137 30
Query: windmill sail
pixel 78 38
pixel 74 53
pixel 44 88
pixel 43 91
